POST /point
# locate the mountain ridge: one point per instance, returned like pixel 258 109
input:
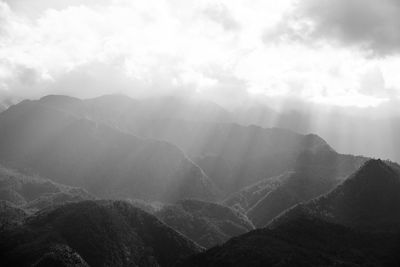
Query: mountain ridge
pixel 206 223
pixel 231 155
pixel 368 200
pixel 102 233
pixel 76 151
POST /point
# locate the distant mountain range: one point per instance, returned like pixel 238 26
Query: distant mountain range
pixel 57 133
pixel 340 129
pixel 102 159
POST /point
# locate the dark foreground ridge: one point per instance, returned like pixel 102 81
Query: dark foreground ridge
pixel 368 200
pixel 97 233
pixel 356 224
pixel 303 242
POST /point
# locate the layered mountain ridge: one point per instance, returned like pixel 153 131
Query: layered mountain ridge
pixel 356 224
pixel 22 195
pixel 231 155
pixel 104 160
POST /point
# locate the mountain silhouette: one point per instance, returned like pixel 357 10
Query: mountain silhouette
pixel 97 233
pixel 368 200
pixel 303 242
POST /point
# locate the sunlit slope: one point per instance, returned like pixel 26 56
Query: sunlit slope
pixel 106 161
pixel 208 224
pixel 33 193
pixel 249 196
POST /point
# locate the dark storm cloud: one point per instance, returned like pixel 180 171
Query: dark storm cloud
pixel 370 24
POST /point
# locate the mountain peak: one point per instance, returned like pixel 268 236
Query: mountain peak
pixel 313 142
pixel 375 164
pixel 374 170
pixel 112 99
pixel 368 200
pixel 63 103
pixel 58 99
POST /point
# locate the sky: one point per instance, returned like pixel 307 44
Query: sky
pixel 342 54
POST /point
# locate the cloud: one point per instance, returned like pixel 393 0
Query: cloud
pixel 125 47
pixel 221 15
pixel 369 24
pixel 373 83
pixel 35 9
pixel 211 49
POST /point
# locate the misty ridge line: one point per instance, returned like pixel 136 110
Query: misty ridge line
pixel 205 168
pixel 333 127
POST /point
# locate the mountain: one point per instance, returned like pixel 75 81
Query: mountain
pixel 356 224
pixel 120 108
pixel 108 162
pixel 249 196
pixel 337 124
pixel 208 224
pixel 22 195
pixel 231 155
pixel 10 215
pixel 303 242
pixel 94 233
pixel 234 156
pixel 6 102
pixel 298 187
pixel 33 193
pixel 216 152
pixel 314 174
pixel 368 200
